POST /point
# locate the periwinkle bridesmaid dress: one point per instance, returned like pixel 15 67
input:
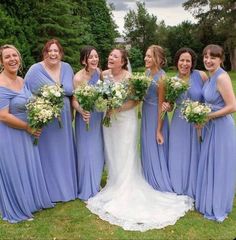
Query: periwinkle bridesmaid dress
pixel 89 151
pixel 184 146
pixel 22 185
pixel 57 145
pixel 154 156
pixel 217 165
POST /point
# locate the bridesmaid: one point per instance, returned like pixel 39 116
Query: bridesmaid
pixel 89 143
pixel 184 147
pixel 56 145
pixel 217 165
pixel 154 155
pixel 22 184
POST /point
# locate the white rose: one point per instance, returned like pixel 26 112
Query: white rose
pixel 197 109
pixel 57 94
pixel 177 84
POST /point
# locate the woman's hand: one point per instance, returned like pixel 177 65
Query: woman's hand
pixel 159 137
pixel 35 132
pixel 166 107
pixel 86 115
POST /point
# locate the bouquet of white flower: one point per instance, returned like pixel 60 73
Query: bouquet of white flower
pixel 40 113
pixel 174 87
pixel 86 95
pixel 138 85
pixel 111 95
pixel 55 95
pixel 195 112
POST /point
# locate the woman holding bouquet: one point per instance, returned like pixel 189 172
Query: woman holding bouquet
pixel 56 145
pixel 128 200
pixel 22 186
pixel 217 165
pixel 89 142
pixel 154 156
pixel 184 146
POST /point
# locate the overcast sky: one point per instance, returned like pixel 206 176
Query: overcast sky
pixel 171 11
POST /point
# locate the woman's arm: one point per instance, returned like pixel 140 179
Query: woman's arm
pixel 161 99
pixel 203 76
pixel 127 105
pixel 17 123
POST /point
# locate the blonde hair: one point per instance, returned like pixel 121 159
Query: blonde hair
pixel 6 46
pixel 159 57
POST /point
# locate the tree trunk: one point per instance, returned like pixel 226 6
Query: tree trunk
pixel 233 59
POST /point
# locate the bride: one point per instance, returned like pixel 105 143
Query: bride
pixel 128 200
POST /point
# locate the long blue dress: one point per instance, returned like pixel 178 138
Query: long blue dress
pixel 89 151
pixel 22 184
pixel 154 157
pixel 217 165
pixel 184 146
pixel 57 145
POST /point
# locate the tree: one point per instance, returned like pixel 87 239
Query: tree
pixel 221 15
pixel 16 27
pixel 103 27
pixel 183 35
pixel 60 19
pixel 136 57
pixel 75 23
pixel 141 28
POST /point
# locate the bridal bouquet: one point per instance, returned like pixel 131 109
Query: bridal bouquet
pixel 111 95
pixel 86 95
pixel 40 113
pixel 195 112
pixel 55 95
pixel 174 87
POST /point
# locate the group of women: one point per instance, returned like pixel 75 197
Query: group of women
pixel 175 169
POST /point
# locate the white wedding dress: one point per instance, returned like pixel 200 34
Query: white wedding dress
pixel 128 200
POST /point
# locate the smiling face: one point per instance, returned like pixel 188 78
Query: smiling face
pixel 184 64
pixel 149 59
pixel 115 59
pixel 53 55
pixel 93 60
pixel 10 59
pixel 211 63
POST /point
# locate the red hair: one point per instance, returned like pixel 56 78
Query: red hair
pixel 48 44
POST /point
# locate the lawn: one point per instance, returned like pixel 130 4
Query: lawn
pixel 72 221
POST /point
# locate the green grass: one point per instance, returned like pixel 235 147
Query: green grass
pixel 73 221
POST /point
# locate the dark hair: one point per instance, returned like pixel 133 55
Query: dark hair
pixel 48 44
pixel 159 55
pixel 124 57
pixel 186 50
pixel 6 46
pixel 84 55
pixel 214 51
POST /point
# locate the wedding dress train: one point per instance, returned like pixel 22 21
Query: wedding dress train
pixel 128 200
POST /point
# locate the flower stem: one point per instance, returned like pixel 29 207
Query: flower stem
pixel 35 142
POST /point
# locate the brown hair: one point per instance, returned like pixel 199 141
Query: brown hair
pixel 84 55
pixel 124 57
pixel 186 50
pixel 158 55
pixel 6 46
pixel 214 51
pixel 48 44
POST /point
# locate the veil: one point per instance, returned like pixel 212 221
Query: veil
pixel 129 67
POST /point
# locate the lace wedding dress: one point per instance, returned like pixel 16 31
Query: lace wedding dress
pixel 128 200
